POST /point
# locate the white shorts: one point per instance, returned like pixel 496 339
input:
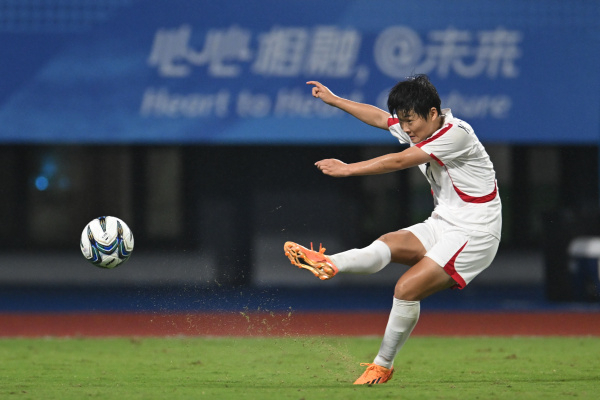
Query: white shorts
pixel 462 253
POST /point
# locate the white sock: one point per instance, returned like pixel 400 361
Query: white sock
pixel 367 260
pixel 403 318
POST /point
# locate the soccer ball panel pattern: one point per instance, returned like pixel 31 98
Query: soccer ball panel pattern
pixel 107 242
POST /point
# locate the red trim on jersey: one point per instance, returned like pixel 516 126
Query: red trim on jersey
pixel 393 121
pixel 465 197
pixel 451 270
pixel 437 159
pixel 472 199
pixel 437 135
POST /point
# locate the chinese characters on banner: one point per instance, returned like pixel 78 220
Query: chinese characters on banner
pixel 323 51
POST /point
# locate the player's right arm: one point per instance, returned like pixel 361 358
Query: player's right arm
pixel 367 113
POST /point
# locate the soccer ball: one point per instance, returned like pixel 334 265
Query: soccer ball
pixel 106 242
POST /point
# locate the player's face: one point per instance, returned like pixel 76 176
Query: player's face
pixel 418 128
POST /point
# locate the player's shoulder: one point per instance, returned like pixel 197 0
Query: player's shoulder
pixel 456 124
pixel 460 131
pixel 463 127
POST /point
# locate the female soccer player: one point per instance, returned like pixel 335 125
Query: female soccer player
pixel 456 243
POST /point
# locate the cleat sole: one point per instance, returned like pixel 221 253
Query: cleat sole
pixel 295 254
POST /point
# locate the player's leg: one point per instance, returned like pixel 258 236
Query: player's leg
pixel 402 247
pixel 405 247
pixel 421 280
pixel 453 258
pixel 367 260
pixel 408 247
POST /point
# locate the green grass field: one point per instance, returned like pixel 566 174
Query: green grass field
pixel 297 368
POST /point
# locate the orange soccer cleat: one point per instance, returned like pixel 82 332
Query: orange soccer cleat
pixel 374 374
pixel 316 262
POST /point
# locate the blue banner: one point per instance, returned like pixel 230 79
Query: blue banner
pixel 235 72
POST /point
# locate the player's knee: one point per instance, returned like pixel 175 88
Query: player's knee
pixel 403 247
pixel 404 291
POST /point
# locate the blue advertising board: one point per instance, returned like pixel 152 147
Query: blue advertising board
pixel 235 72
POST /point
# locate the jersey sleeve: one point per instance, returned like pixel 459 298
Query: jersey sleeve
pixel 447 144
pixel 397 132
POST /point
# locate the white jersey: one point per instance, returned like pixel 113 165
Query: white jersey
pixel 461 175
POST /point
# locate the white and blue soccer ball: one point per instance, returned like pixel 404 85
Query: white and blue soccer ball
pixel 106 242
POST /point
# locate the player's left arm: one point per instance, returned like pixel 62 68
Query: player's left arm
pixel 410 157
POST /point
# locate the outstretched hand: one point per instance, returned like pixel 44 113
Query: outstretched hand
pixel 321 91
pixel 333 167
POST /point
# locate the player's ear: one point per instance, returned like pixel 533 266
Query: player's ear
pixel 433 113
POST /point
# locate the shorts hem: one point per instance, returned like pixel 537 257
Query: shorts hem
pixel 449 269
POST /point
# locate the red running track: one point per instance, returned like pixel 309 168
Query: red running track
pixel 296 323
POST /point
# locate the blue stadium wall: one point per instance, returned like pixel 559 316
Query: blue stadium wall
pixel 234 72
